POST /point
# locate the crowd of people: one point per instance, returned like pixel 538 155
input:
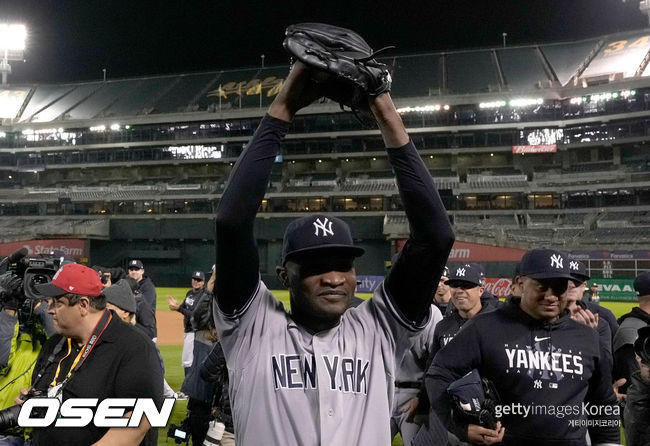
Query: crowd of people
pixel 431 355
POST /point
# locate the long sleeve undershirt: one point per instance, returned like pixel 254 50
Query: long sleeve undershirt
pixel 414 276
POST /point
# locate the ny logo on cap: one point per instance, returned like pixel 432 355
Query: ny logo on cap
pixel 573 266
pixel 460 272
pixel 324 226
pixel 557 261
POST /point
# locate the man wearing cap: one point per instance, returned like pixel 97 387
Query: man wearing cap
pixel 637 407
pixel 586 312
pixel 592 293
pixel 186 308
pixel 466 286
pixel 515 289
pixel 538 359
pixel 321 374
pixel 624 360
pixel 411 402
pixel 145 299
pixel 443 293
pixel 94 355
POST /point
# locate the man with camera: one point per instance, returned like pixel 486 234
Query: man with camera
pixel 94 355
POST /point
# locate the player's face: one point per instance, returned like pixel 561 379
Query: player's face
pixel 136 273
pixel 543 298
pixel 573 295
pixel 466 297
pixel 443 293
pixel 321 287
pixel 197 284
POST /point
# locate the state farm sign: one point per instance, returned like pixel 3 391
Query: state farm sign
pixel 75 248
pixel 498 287
pixel 542 148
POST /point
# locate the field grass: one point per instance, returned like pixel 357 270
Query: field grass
pixel 172 353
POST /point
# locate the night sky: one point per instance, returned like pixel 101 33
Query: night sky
pixel 72 40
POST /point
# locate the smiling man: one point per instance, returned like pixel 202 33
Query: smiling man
pixel 322 374
pixel 539 359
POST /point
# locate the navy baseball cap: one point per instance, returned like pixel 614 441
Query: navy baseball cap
pixel 136 264
pixel 578 270
pixel 467 273
pixel 317 232
pixel 642 344
pixel 545 264
pixel 198 275
pixel 642 284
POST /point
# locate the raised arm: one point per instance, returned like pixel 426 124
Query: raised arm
pixel 237 260
pixel 414 277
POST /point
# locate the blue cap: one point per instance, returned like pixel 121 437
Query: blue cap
pixel 642 284
pixel 545 264
pixel 198 275
pixel 136 264
pixel 317 232
pixel 467 273
pixel 578 270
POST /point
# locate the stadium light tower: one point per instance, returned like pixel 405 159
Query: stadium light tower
pixel 12 46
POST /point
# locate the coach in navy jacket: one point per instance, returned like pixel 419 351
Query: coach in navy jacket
pixel 545 367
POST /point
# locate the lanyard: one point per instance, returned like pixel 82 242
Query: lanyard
pixel 85 350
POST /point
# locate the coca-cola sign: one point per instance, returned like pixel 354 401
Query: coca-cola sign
pixel 500 287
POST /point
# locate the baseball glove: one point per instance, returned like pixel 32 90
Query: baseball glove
pixel 342 62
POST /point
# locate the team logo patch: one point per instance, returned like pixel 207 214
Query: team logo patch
pixel 557 261
pixel 324 227
pixel 460 272
pixel 573 266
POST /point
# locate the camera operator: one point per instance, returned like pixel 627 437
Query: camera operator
pixel 24 327
pixel 94 355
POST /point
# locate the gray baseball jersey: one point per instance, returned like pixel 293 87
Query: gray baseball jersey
pixel 415 359
pixel 410 373
pixel 335 387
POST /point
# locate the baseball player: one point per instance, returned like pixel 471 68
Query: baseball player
pixel 466 285
pixel 443 293
pixel 320 375
pixel 410 396
pixel 624 360
pixel 540 361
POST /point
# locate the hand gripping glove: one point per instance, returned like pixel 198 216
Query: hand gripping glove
pixel 341 60
pixel 475 400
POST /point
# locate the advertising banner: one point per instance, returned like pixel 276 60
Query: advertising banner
pixel 541 148
pixel 75 248
pixel 498 286
pixel 615 289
